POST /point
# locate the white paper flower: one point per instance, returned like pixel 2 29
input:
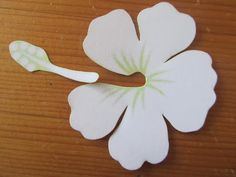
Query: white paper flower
pixel 181 88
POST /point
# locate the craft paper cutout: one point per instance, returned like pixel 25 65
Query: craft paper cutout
pixel 34 58
pixel 181 88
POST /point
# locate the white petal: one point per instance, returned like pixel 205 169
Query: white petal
pixel 141 136
pixel 190 92
pixel 111 40
pixel 95 109
pixel 165 31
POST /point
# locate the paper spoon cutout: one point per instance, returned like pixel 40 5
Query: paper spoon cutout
pixel 34 58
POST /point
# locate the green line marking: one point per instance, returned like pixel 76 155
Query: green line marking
pixel 124 92
pixel 141 59
pixel 162 81
pixel 121 65
pixel 155 74
pixel 156 89
pixel 133 63
pixel 136 96
pixel 111 92
pixel 126 62
pixel 146 64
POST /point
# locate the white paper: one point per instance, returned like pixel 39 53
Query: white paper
pixel 181 89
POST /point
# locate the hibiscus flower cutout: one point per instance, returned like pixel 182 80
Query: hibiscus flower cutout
pixel 179 88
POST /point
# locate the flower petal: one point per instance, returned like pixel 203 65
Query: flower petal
pixel 95 109
pixel 165 31
pixel 189 94
pixel 111 39
pixel 142 136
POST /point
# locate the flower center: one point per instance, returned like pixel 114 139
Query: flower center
pixel 141 79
